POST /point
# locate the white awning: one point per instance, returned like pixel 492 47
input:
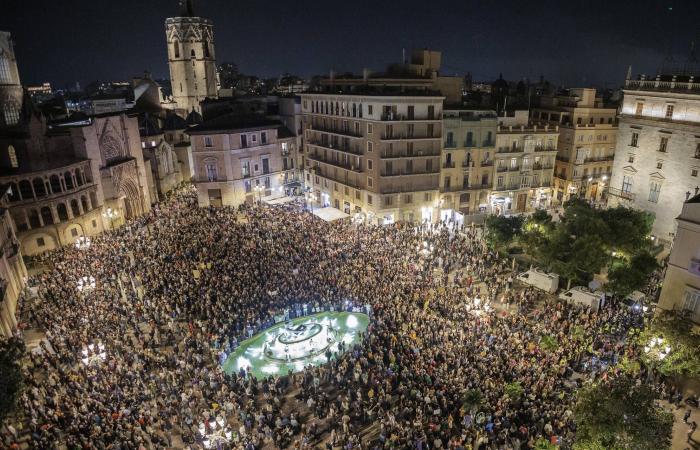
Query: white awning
pixel 330 214
pixel 281 200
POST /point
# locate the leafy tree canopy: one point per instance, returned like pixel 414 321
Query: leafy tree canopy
pixel 683 342
pixel 627 277
pixel 619 414
pixel 500 231
pixel 11 352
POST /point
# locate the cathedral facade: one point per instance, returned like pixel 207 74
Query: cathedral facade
pixel 191 58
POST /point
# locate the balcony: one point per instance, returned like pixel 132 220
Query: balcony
pixel 450 144
pixel 395 117
pixel 405 136
pixel 658 85
pixel 487 163
pixel 599 159
pixel 356 150
pixel 339 164
pixel 448 165
pixel 537 166
pixel 404 173
pixel 468 164
pixel 341 132
pixel 470 144
pixel 615 192
pixel 501 169
pixel 488 143
pixel 319 171
pixel 474 187
pixel 414 154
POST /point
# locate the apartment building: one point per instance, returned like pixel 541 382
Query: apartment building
pixel 373 154
pixel 658 147
pixel 523 164
pixel 466 175
pixel 681 287
pixel 241 159
pixel 586 149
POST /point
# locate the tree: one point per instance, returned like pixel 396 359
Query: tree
pixel 544 444
pixel 500 231
pixel 619 414
pixel 535 233
pixel 683 342
pixel 11 379
pixel 627 229
pixel 628 277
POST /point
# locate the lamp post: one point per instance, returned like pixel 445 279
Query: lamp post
pixel 311 198
pixel 215 433
pixel 93 354
pixel 657 350
pixel 110 214
pixel 259 188
pixel 82 243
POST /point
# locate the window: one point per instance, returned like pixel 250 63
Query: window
pixel 500 180
pixel 669 112
pixel 691 301
pixel 640 108
pixel 659 165
pixel 408 198
pixel 211 171
pixel 40 242
pixel 369 128
pixel 369 147
pixel 266 165
pixel 12 155
pixel 429 165
pixel 248 186
pixel 428 197
pixel 244 141
pixel 370 182
pixel 697 150
pixel 245 169
pixel 369 199
pixel 694 173
pixel 263 137
pixel 94 223
pixel 630 159
pixel 369 164
pixel 4 69
pixel 11 114
pixel 654 191
pixel 369 110
pixel 253 138
pixel 663 144
pixel 388 200
pixel 208 142
pixel 176 47
pixel 627 184
pixel 74 232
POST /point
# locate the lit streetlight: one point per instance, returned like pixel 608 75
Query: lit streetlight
pixel 215 433
pixel 310 199
pixel 82 243
pixel 259 189
pixel 110 214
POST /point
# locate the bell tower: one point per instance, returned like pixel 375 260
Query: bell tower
pixel 10 87
pixel 191 58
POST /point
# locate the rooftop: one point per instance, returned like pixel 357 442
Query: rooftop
pixel 235 122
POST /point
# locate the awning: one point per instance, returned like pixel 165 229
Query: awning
pixel 280 200
pixel 330 214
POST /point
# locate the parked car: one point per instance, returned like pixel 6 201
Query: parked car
pixel 580 295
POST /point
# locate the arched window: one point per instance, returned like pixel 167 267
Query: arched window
pixel 84 201
pixel 176 48
pixel 4 69
pixel 39 187
pixel 62 212
pixel 10 113
pixel 68 177
pixel 14 192
pixel 192 54
pixel 12 156
pixel 75 208
pixel 79 177
pixel 34 218
pixel 46 216
pixel 93 199
pixel 205 44
pixel 25 189
pixel 55 184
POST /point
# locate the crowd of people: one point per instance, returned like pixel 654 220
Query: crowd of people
pixel 454 357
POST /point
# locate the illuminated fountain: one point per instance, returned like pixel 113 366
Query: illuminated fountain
pixel 293 345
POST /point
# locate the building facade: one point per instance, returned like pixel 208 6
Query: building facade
pixel 658 148
pixel 681 287
pixel 586 149
pixel 10 86
pixel 523 165
pixel 466 175
pixel 13 274
pixel 373 155
pixel 191 57
pixel 241 159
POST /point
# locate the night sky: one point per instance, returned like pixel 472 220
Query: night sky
pixel 569 42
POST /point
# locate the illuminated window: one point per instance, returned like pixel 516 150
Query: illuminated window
pixel 669 111
pixel 11 114
pixel 627 184
pixel 4 69
pixel 12 155
pixel 654 191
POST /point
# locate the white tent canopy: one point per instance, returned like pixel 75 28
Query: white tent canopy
pixel 330 214
pixel 280 200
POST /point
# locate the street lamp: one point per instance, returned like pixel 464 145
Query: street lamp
pixel 259 188
pixel 86 283
pixel 111 215
pixel 82 243
pixel 93 354
pixel 215 433
pixel 310 199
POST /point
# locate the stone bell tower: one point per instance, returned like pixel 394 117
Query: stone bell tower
pixel 191 58
pixel 10 86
